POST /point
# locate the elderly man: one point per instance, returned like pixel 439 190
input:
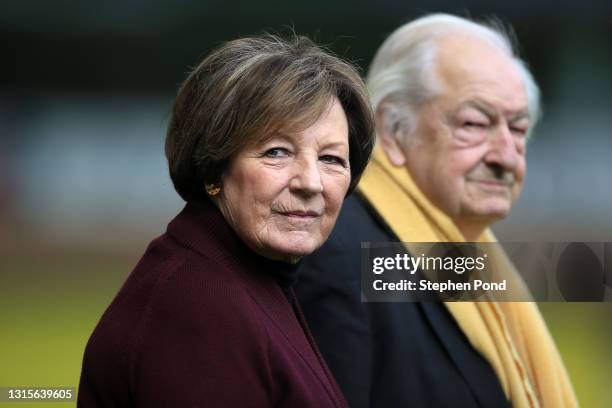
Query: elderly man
pixel 454 108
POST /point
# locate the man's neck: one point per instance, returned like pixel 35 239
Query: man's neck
pixel 471 230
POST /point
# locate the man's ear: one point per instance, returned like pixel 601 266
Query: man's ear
pixel 390 133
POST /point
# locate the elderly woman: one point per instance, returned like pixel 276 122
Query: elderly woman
pixel 266 139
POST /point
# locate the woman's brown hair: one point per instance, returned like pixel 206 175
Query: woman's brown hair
pixel 250 89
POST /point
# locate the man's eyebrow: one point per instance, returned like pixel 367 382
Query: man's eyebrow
pixel 478 105
pixel 489 110
pixel 522 114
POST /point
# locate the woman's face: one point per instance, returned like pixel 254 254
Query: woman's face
pixel 282 197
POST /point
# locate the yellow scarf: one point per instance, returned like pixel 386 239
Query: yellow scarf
pixel 512 336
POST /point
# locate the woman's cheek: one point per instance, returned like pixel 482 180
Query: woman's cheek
pixel 337 185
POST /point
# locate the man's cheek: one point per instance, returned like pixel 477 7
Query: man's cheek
pixel 466 161
pixel 520 172
pixel 517 188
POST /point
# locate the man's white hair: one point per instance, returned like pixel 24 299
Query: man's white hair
pixel 403 69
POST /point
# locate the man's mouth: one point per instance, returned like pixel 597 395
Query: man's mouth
pixel 492 183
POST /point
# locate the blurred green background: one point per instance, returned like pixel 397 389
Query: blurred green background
pixel 85 94
pixel 50 305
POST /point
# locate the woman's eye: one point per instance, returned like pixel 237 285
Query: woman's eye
pixel 276 152
pixel 329 159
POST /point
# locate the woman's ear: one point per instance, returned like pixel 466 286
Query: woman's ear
pixel 390 133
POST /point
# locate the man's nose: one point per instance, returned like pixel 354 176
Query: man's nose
pixel 502 148
pixel 306 176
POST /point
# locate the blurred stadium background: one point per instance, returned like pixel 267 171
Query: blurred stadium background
pixel 85 95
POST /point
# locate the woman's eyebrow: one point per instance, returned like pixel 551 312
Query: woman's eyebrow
pixel 329 145
pixel 278 137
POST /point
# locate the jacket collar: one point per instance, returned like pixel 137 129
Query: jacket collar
pixel 202 228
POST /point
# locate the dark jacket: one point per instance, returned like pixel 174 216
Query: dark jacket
pixel 202 322
pixel 393 354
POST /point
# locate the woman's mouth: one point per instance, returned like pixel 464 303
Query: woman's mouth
pixel 301 214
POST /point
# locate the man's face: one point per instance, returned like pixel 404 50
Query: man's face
pixel 467 152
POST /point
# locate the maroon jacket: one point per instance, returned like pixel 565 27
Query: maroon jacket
pixel 203 322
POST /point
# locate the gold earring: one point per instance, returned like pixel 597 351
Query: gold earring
pixel 213 189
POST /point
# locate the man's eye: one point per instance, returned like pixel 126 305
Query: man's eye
pixel 276 152
pixel 474 124
pixel 518 131
pixel 330 159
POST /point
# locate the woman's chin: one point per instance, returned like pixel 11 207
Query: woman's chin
pixel 291 248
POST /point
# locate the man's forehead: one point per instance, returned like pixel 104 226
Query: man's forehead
pixel 471 68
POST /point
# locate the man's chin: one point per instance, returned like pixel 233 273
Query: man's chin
pixel 491 210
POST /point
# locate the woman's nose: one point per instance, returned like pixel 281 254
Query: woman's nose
pixel 306 177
